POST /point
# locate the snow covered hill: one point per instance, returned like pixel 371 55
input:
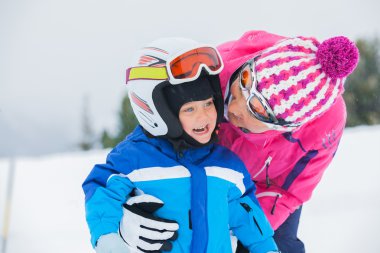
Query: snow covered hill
pixel 47 208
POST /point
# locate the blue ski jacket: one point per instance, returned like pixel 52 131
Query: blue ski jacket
pixel 207 190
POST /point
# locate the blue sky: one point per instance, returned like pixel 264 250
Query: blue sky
pixel 55 53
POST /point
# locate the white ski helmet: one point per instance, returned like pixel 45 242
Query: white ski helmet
pixel 165 62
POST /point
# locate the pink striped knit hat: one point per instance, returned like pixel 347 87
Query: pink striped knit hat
pixel 301 78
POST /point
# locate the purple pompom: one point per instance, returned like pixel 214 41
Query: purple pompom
pixel 338 56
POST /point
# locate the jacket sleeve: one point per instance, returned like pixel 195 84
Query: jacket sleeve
pixel 248 222
pixel 278 202
pixel 106 192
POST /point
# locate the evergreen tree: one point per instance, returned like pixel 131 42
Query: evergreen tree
pixel 127 122
pixel 362 95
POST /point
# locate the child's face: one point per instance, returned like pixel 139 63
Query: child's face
pixel 198 119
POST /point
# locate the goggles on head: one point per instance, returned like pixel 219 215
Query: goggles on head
pixel 256 103
pixel 181 68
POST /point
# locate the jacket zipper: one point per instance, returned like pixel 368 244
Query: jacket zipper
pixel 270 194
pixel 265 167
pixel 249 209
pixel 274 205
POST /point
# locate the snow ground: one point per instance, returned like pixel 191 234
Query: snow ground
pixel 47 208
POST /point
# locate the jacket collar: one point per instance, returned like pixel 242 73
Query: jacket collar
pixel 163 145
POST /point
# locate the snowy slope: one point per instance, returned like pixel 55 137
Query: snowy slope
pixel 48 210
pixel 343 214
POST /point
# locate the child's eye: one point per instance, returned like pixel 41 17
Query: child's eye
pixel 189 109
pixel 209 103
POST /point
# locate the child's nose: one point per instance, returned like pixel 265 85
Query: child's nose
pixel 202 113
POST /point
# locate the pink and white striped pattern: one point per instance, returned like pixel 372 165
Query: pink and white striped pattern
pixel 293 81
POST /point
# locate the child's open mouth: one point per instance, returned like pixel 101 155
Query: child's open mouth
pixel 201 130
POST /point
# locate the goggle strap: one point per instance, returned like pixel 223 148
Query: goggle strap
pixel 148 73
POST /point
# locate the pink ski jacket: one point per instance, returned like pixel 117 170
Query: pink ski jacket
pixel 286 166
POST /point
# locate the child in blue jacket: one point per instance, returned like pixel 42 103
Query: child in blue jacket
pixel 175 94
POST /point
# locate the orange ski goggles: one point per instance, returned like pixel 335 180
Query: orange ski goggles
pixel 184 67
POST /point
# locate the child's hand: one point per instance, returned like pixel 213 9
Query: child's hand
pixel 142 230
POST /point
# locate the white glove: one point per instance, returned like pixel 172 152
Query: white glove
pixel 143 231
pixel 112 243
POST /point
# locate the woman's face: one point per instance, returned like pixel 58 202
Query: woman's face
pixel 238 113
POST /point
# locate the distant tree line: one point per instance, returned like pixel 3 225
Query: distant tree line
pixel 127 122
pixel 362 95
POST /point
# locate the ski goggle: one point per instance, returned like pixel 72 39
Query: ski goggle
pixel 184 67
pixel 256 103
